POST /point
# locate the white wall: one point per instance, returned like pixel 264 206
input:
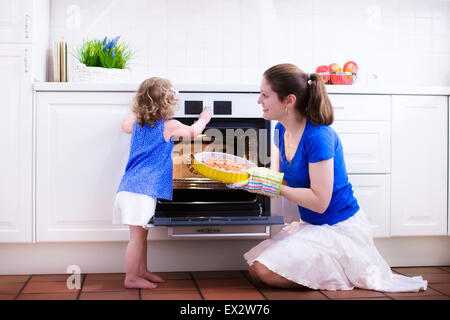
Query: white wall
pixel 398 42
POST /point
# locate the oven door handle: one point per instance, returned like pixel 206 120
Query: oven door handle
pixel 171 234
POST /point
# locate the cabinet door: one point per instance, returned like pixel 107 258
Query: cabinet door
pixel 366 145
pixel 16 145
pixel 361 107
pixel 81 156
pixel 15 21
pixel 419 165
pixel 373 195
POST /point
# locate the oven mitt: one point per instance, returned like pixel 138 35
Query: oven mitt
pixel 261 180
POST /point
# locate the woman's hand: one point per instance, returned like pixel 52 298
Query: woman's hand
pixel 262 180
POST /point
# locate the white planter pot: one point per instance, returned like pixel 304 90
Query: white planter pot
pixel 82 73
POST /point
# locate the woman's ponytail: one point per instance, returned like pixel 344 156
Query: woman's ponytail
pixel 309 89
pixel 319 109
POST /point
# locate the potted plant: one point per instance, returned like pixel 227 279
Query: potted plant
pixel 102 61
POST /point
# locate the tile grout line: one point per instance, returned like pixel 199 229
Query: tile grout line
pixel 23 287
pixel 441 267
pixel 438 290
pixel 428 283
pixel 386 295
pixel 251 282
pixel 81 287
pixel 196 285
pixel 325 295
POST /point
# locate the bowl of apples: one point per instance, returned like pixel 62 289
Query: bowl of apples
pixel 333 74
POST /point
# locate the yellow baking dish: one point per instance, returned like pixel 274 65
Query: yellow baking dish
pixel 217 174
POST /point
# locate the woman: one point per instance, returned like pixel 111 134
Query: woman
pixel 332 248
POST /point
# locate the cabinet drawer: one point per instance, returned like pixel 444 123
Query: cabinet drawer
pixel 373 195
pixel 366 145
pixel 361 107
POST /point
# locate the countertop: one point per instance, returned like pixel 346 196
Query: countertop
pixel 337 89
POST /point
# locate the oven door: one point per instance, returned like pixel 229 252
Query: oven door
pixel 207 207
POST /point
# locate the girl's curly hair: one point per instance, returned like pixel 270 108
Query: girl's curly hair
pixel 154 100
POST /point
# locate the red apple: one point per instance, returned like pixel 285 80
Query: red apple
pixel 351 66
pixel 324 73
pixel 334 67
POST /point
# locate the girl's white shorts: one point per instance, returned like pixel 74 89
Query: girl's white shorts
pixel 133 209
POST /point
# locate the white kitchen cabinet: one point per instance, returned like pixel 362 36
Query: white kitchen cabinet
pixel 81 154
pixel 22 59
pixel 373 195
pixel 15 17
pixel 366 145
pixel 23 21
pixel 16 144
pixel 363 123
pixel 419 165
pixel 361 107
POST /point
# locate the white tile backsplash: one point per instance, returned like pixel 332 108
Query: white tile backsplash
pixel 441 27
pixel 423 8
pixel 440 9
pixel 398 42
pixel 424 26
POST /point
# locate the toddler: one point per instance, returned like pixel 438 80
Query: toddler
pixel 148 174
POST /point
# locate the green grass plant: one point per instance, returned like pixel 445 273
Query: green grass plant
pixel 109 53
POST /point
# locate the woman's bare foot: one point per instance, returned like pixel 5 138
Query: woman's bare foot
pixel 139 283
pixel 151 277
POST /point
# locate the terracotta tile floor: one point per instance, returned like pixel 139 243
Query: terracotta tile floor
pixel 205 285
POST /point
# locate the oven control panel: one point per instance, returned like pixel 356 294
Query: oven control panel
pixel 193 107
pixel 242 105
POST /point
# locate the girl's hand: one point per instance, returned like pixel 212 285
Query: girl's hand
pixel 175 128
pixel 127 123
pixel 206 115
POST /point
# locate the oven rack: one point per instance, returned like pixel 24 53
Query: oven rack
pixel 197 183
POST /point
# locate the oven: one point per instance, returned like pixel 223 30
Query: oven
pixel 205 208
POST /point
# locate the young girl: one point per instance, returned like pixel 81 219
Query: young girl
pixel 148 174
pixel 332 249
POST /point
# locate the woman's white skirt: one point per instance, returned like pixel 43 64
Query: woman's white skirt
pixel 133 209
pixel 336 257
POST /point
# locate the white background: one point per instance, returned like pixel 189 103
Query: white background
pixel 399 42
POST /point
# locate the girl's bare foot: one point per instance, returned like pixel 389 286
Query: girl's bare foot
pixel 139 283
pixel 151 276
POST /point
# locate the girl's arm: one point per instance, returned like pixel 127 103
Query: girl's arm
pixel 127 123
pixel 174 128
pixel 316 198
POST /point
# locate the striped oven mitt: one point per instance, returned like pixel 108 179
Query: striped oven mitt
pixel 261 180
